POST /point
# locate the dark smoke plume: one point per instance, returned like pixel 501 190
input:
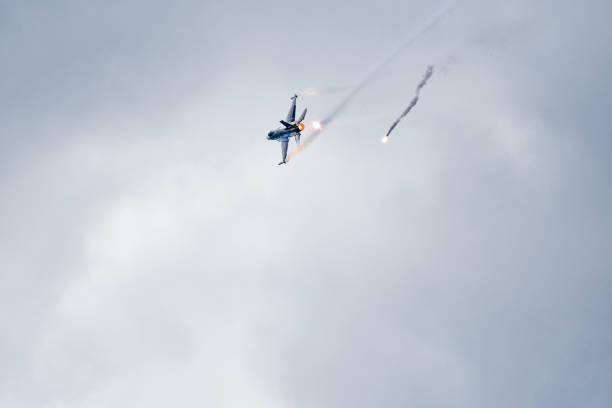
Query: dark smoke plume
pixel 414 100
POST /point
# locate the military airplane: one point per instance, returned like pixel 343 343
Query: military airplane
pixel 292 128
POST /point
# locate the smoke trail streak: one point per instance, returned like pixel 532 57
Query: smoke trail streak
pixel 428 24
pixel 319 91
pixel 414 101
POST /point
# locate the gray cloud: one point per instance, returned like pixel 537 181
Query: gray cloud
pixel 153 254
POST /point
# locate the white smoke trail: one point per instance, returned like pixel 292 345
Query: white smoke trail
pixel 414 101
pixel 428 24
pixel 319 91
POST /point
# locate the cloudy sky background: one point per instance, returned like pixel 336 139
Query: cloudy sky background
pixel 153 254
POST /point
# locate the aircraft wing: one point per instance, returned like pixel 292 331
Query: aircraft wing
pixel 291 114
pixel 284 145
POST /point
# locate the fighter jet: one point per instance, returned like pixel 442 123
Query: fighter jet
pixel 292 128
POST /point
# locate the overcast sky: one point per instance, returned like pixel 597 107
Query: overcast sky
pixel 152 254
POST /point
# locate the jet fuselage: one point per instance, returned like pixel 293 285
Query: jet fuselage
pixel 281 133
pixel 292 128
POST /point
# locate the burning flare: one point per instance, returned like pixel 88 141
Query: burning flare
pixel 317 125
pixel 385 139
pixel 301 126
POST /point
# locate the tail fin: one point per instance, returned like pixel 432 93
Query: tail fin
pixel 291 114
pixel 302 116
